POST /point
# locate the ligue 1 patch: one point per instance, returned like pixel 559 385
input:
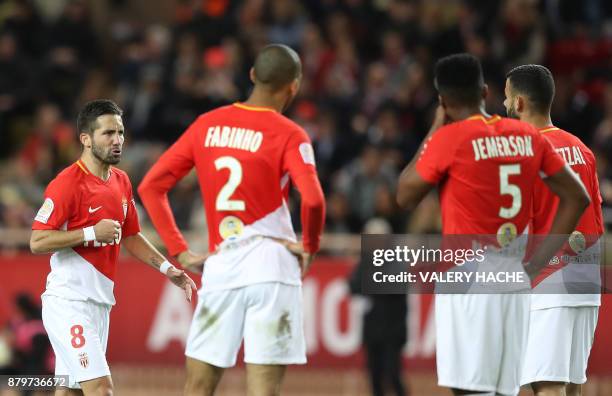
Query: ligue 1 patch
pixel 307 153
pixel 84 359
pixel 506 233
pixel 577 241
pixel 45 211
pixel 230 228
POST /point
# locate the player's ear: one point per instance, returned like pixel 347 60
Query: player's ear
pixel 85 139
pixel 520 104
pixel 441 101
pixel 252 74
pixel 485 91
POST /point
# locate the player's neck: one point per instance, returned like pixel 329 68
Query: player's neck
pixel 537 120
pixel 260 98
pixel 463 113
pixel 96 167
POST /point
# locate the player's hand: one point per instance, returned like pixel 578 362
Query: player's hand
pixel 107 230
pixel 440 118
pixel 182 280
pixel 304 258
pixel 193 262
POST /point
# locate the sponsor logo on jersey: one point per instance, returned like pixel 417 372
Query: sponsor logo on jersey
pixel 45 211
pixel 94 210
pixel 502 146
pixel 232 137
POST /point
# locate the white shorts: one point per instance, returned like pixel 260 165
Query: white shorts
pixel 78 331
pixel 559 344
pixel 480 339
pixel 267 315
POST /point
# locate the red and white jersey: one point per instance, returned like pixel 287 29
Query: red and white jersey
pixel 486 168
pixel 76 199
pixel 586 237
pixel 244 157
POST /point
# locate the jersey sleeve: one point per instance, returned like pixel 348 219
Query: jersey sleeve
pixel 299 161
pixel 436 156
pixel 56 208
pixel 171 167
pixel 552 162
pixel 131 225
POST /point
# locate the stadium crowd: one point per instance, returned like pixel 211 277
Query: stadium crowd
pixel 366 98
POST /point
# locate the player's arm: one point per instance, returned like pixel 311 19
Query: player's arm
pixel 138 246
pixel 172 166
pixel 49 241
pixel 573 200
pixel 426 168
pixel 299 161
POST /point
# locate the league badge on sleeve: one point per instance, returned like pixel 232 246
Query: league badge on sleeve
pixel 45 211
pixel 307 153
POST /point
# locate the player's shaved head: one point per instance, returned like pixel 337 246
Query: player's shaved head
pixel 458 79
pixel 88 116
pixel 536 83
pixel 276 66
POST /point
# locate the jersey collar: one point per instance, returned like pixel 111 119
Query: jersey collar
pixel 83 167
pixel 252 108
pixel 548 129
pixel 491 120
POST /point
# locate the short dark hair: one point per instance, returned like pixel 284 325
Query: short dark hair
pixel 536 82
pixel 277 65
pixel 459 78
pixel 86 120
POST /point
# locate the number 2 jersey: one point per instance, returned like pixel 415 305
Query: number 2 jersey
pixel 486 168
pixel 76 199
pixel 245 158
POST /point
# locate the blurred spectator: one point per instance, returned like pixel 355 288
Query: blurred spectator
pixel 367 81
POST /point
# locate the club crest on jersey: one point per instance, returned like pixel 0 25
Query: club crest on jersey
pixel 506 233
pixel 230 228
pixel 124 203
pixel 84 359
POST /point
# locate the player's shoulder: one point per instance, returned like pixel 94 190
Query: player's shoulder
pixel 69 176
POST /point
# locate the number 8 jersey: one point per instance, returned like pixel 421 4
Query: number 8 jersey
pixel 245 158
pixel 487 168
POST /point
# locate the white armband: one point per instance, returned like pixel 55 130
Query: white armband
pixel 165 266
pixel 89 234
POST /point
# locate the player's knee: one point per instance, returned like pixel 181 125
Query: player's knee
pixel 546 388
pixel 573 390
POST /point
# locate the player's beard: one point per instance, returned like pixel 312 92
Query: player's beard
pixel 105 156
pixel 512 113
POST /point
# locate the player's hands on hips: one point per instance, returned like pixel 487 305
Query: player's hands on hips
pixel 297 248
pixel 182 280
pixel 193 262
pixel 107 230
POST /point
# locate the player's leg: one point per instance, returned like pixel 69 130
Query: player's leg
pixel 214 339
pixel 573 389
pixel 548 388
pixel 273 334
pixel 376 366
pixel 202 378
pixel 102 386
pixel 264 379
pixel 63 391
pixel 585 322
pixel 73 328
pixel 469 350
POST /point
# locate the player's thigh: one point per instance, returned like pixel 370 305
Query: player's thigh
pixel 63 391
pixel 73 328
pixel 548 351
pixel 202 378
pixel 264 379
pixel 515 327
pixel 472 333
pixel 583 333
pixel 102 386
pixel 216 329
pixel 273 326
